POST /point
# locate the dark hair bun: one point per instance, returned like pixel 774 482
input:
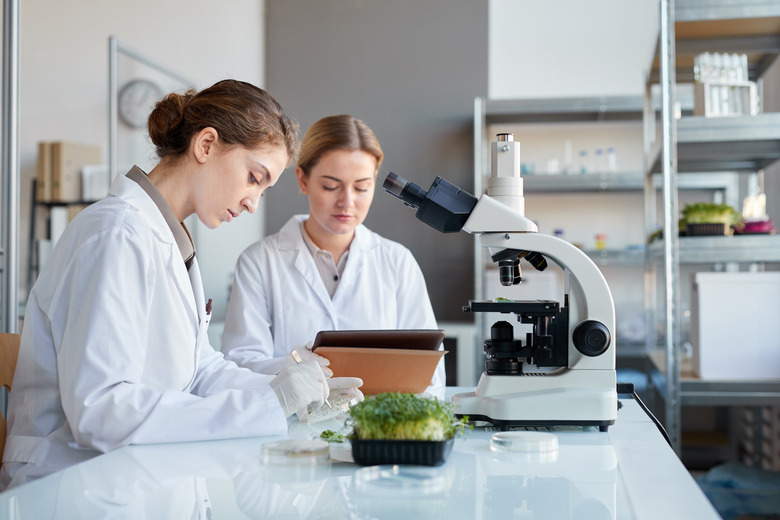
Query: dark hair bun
pixel 168 114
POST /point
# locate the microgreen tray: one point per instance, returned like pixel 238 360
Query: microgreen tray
pixel 422 453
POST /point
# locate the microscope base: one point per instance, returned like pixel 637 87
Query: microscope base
pixel 574 398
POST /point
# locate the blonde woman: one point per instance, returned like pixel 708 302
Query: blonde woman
pixel 325 270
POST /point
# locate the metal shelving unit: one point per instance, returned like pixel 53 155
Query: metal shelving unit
pixel 699 144
pixel 589 182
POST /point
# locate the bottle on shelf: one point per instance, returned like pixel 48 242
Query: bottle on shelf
pixel 568 157
pixel 582 164
pixel 599 161
pixel 612 166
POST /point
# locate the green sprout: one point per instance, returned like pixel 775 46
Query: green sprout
pixel 331 436
pixel 703 213
pixel 405 416
pixel 710 213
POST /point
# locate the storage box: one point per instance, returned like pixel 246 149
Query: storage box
pixel 68 159
pixel 725 99
pixel 735 325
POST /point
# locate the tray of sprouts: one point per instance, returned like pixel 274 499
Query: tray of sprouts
pixel 403 428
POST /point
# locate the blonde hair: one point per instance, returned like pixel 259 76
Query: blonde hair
pixel 342 132
pixel 241 113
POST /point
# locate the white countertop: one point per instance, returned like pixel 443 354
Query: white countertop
pixel 629 472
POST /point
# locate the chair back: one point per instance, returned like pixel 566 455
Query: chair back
pixel 9 353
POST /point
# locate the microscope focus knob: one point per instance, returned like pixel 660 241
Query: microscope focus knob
pixel 592 338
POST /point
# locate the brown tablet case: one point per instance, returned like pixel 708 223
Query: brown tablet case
pixel 386 360
pixel 417 339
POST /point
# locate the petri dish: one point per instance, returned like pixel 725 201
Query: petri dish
pixel 526 442
pixel 525 447
pixel 296 460
pixel 340 402
pixel 401 480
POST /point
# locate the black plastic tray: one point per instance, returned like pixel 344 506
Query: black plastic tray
pixel 706 230
pixel 422 453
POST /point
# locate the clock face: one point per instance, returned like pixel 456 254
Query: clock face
pixel 136 101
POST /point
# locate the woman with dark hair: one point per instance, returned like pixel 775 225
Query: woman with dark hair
pixel 114 348
pixel 325 270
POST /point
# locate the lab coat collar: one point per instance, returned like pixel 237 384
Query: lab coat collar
pixel 291 239
pixel 180 232
pixel 134 194
pixel 129 190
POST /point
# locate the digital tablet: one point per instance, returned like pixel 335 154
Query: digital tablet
pixel 412 339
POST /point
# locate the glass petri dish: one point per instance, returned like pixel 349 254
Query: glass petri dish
pixel 340 402
pixel 529 442
pixel 296 460
pixel 401 480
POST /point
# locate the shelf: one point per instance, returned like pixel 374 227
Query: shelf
pixel 718 10
pixel 617 257
pixel 613 108
pixel 749 28
pixel 583 182
pixel 717 249
pixel 727 145
pixel 706 144
pixel 698 392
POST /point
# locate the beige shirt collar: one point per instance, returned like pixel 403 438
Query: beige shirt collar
pixel 326 265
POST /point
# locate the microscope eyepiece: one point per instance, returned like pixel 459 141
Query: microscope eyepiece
pixel 395 184
pixel 444 206
pixel 409 192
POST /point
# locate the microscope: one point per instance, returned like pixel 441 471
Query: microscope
pixel 563 372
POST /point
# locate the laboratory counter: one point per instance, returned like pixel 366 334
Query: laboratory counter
pixel 629 472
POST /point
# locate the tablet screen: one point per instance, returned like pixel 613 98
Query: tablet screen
pixel 417 339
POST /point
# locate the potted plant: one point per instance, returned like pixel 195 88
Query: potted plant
pixel 709 218
pixel 403 428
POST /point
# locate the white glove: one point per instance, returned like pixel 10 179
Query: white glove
pixel 300 385
pixel 346 383
pixel 306 354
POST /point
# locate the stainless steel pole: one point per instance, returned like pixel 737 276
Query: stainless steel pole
pixel 671 240
pixel 9 322
pixel 112 107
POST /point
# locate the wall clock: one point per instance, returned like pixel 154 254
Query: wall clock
pixel 136 100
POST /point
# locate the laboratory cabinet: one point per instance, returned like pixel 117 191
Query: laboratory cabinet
pixel 679 143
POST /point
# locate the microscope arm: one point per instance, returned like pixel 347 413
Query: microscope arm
pixel 492 216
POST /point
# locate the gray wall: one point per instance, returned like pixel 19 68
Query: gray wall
pixel 411 70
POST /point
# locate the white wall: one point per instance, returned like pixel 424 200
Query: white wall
pixel 64 85
pixel 570 48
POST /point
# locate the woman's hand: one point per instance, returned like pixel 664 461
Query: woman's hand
pixel 306 354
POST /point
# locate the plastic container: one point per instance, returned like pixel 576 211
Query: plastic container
pixel 734 325
pixel 703 230
pixel 423 453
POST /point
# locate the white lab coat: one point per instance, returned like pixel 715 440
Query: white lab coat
pixel 279 301
pixel 115 349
